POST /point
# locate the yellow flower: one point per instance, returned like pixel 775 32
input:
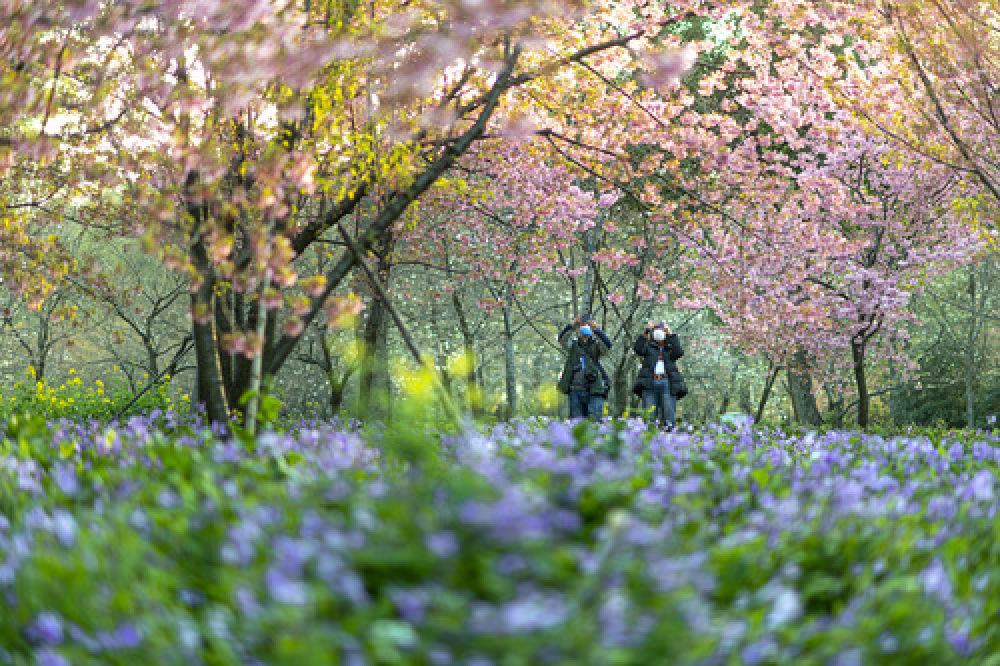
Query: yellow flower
pixel 416 382
pixel 460 364
pixel 548 395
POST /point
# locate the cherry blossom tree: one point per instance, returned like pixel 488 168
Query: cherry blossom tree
pixel 234 137
pixel 239 134
pixel 504 225
pixel 812 232
pixel 807 231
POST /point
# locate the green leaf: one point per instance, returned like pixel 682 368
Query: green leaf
pixel 760 476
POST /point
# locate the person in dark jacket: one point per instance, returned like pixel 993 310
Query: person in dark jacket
pixel 583 378
pixel 659 382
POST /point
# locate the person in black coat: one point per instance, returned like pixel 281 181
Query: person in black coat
pixel 659 383
pixel 583 378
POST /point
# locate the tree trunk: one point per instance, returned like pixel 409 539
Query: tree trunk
pixel 440 351
pixel 373 396
pixel 801 391
pixel 374 387
pixel 621 377
pixel 895 409
pixel 864 400
pixel 224 317
pixel 838 410
pixel 152 359
pixel 250 418
pixel 724 405
pixel 970 354
pixel 480 376
pixel 473 387
pixel 336 381
pixel 231 318
pixel 591 238
pixel 247 320
pixel 746 400
pixel 42 346
pixel 730 387
pixel 210 391
pixel 772 375
pixel 574 297
pixel 620 388
pixel 508 349
pixel 207 346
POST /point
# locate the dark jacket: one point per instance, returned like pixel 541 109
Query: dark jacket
pixel 648 351
pixel 593 378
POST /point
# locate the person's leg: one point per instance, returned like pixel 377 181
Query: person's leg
pixel 577 404
pixel 669 408
pixel 595 407
pixel 658 401
pixel 648 402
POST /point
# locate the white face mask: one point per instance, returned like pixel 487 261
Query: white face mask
pixel 659 335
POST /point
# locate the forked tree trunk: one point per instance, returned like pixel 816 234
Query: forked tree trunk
pixel 801 391
pixel 772 375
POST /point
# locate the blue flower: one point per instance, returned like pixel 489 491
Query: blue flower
pixel 46 629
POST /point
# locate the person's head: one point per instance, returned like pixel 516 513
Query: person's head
pixel 659 332
pixel 586 325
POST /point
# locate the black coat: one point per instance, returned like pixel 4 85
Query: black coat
pixel 648 352
pixel 592 349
